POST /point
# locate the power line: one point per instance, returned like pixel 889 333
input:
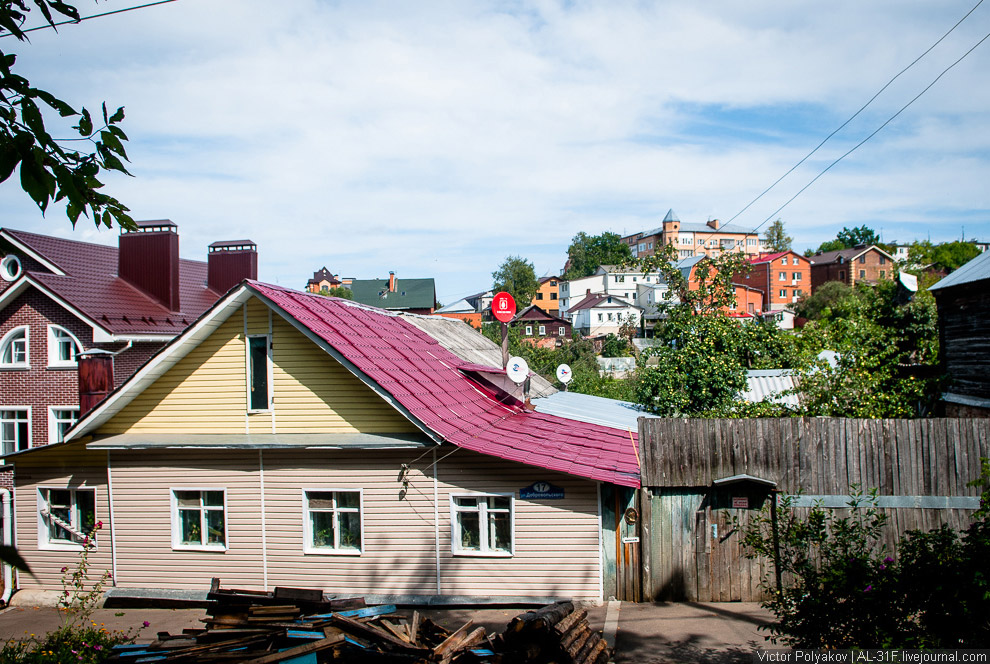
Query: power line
pixel 856 114
pixel 875 131
pixel 52 26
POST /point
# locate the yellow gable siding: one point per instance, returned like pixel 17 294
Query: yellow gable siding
pixel 206 391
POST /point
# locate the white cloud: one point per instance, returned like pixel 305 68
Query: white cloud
pixel 437 138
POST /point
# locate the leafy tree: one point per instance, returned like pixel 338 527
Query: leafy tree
pixel 342 292
pixel 848 238
pixel 517 277
pixel 615 346
pixel 588 252
pixel 943 256
pixel 777 239
pixel 51 170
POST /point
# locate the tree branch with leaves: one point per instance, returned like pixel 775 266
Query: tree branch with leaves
pixel 50 169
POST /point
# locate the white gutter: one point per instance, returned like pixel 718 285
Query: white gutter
pixel 8 540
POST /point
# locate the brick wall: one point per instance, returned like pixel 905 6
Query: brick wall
pixel 40 386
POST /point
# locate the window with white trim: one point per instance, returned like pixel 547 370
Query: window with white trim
pixel 543 330
pixel 198 519
pixel 62 347
pixel 14 349
pixel 482 524
pixel 529 330
pixel 10 267
pixel 332 522
pixel 259 371
pixel 66 516
pixel 15 430
pixel 561 331
pixel 60 420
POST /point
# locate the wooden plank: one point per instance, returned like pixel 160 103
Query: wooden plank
pixel 703 589
pixel 647 543
pixel 298 651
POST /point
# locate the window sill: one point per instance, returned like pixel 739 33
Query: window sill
pixel 62 367
pixel 61 546
pixel 259 411
pixel 483 554
pixel 15 367
pixel 330 552
pixel 201 548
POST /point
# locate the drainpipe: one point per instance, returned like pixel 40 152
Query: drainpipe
pixel 8 540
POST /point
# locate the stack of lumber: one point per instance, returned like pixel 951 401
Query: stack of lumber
pixel 300 626
pixel 265 628
pixel 555 633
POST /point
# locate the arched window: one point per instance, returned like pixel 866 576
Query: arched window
pixel 62 347
pixel 14 349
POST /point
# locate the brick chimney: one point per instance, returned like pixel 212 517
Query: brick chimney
pixel 95 378
pixel 714 224
pixel 229 263
pixel 391 282
pixel 148 258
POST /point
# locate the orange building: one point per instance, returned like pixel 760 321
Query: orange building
pixel 546 297
pixel 783 278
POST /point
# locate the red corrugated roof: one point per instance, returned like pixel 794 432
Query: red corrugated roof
pixel 424 378
pixel 91 285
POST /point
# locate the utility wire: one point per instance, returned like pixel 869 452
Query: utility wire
pixel 875 132
pixel 86 18
pixel 856 114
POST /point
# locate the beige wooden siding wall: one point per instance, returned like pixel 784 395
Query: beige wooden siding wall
pixel 556 541
pixel 206 391
pixel 59 468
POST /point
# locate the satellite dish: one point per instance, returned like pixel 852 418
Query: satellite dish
pixel 564 374
pixel 517 370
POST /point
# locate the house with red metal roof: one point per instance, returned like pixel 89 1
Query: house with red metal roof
pixel 61 297
pixel 291 439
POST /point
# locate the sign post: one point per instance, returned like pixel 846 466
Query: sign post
pixel 504 309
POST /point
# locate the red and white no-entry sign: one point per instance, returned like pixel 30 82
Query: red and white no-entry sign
pixel 503 307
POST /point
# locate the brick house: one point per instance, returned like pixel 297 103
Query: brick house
pixel 323 280
pixel 61 297
pixel 867 264
pixel 695 239
pixel 783 277
pixel 541 328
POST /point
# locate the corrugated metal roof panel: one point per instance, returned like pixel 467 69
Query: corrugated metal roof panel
pixel 464 416
pixel 977 269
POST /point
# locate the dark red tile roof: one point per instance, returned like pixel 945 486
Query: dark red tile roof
pixel 91 285
pixel 424 378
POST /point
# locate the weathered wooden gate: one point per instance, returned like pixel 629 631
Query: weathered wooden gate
pixel 621 523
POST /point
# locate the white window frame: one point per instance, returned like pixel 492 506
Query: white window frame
pixel 177 543
pixel 45 542
pixel 529 330
pixel 308 546
pixel 543 330
pixel 53 422
pixel 268 368
pixel 8 340
pixel 3 420
pixel 485 550
pixel 10 267
pixel 54 361
pixel 561 331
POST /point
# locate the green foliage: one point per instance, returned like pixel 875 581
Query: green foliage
pixel 578 354
pixel 830 295
pixel 698 367
pixel 943 256
pixel 848 238
pixel 517 277
pixel 50 170
pixel 588 252
pixel 777 238
pixel 709 286
pixel 342 292
pixel 844 591
pixel 614 346
pixel 79 639
pixel 87 645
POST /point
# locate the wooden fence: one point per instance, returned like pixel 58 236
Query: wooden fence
pixel 691 515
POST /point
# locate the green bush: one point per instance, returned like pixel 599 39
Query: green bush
pixel 843 590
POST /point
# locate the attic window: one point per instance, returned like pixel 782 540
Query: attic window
pixel 10 267
pixel 258 373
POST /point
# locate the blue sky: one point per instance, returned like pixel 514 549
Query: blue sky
pixel 437 138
